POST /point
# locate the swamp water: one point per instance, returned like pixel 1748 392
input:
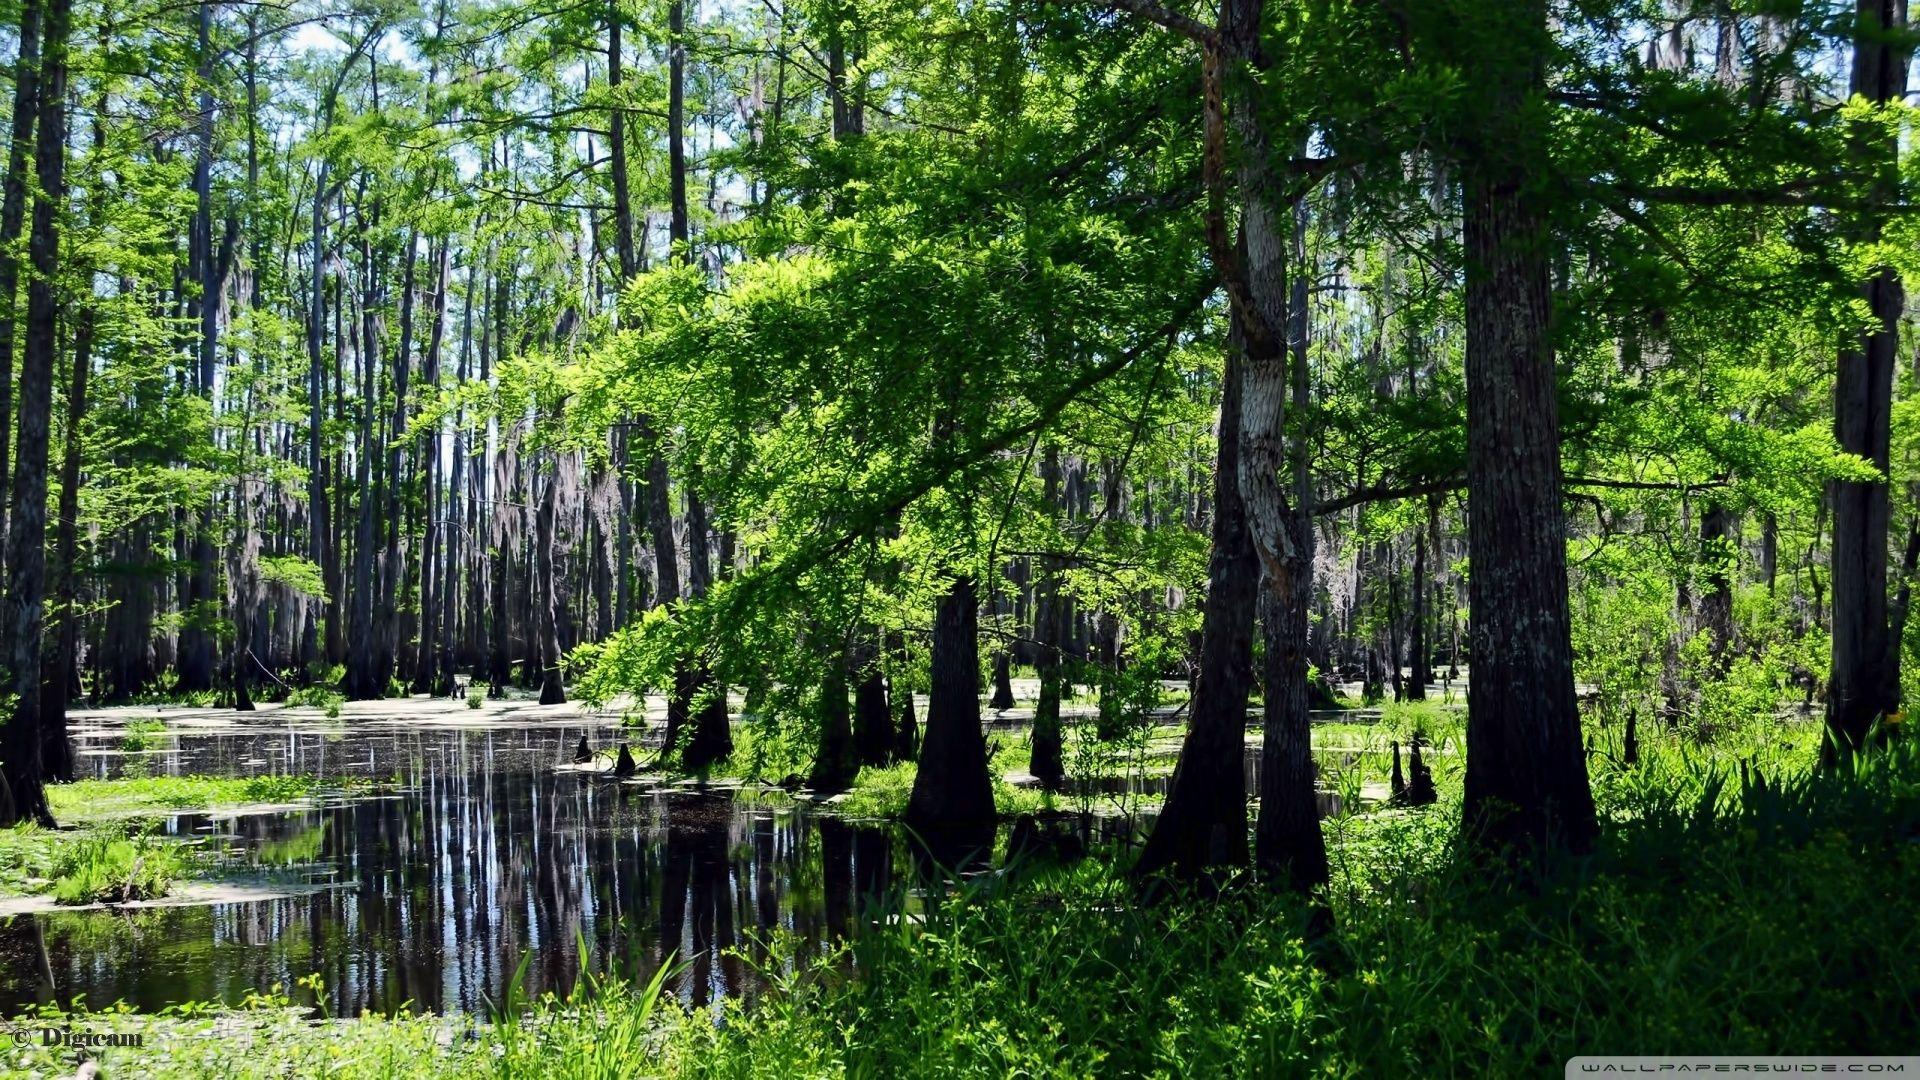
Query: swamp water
pixel 474 854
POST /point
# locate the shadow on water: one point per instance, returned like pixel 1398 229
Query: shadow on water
pixel 430 895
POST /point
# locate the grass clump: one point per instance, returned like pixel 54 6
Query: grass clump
pixel 86 800
pixel 104 868
pixel 324 698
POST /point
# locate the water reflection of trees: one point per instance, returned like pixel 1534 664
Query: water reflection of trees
pixel 487 856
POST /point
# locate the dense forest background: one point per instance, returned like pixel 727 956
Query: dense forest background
pixel 825 353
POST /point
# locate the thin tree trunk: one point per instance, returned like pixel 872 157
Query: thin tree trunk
pixel 552 689
pixel 1288 846
pixel 13 211
pixel 1048 753
pixel 56 755
pixel 196 661
pixel 1204 822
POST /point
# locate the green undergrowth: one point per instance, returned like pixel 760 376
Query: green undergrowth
pixel 1724 911
pixel 104 852
pixel 883 793
pixel 103 868
pixel 89 800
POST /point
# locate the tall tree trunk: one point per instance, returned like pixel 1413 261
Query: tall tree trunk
pixel 196 660
pixel 1288 846
pixel 1420 672
pixel 363 683
pixel 1204 822
pixel 25 797
pixel 320 522
pixel 13 211
pixel 1865 681
pixel 1526 781
pixel 56 755
pixel 552 689
pixel 712 737
pixel 435 539
pixel 1047 757
pixel 387 632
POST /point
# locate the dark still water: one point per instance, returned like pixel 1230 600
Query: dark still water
pixel 429 895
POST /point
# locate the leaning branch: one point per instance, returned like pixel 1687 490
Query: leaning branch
pixel 1184 25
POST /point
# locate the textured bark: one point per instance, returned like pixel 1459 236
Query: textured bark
pixel 321 548
pixel 13 211
pixel 1526 783
pixel 1288 846
pixel 1719 535
pixel 1865 680
pixel 1204 823
pixel 712 738
pixel 56 755
pixel 387 631
pixel 552 689
pixel 433 543
pixel 951 791
pixel 363 682
pixel 27 525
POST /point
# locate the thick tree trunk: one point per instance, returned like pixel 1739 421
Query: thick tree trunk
pixel 952 794
pixel 834 764
pixel 195 668
pixel 617 147
pixel 1526 783
pixel 387 631
pixel 872 717
pixel 436 538
pixel 706 705
pixel 27 526
pixel 1865 681
pixel 321 548
pixel 363 682
pixel 1002 699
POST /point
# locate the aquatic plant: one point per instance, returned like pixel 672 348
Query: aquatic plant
pixel 103 867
